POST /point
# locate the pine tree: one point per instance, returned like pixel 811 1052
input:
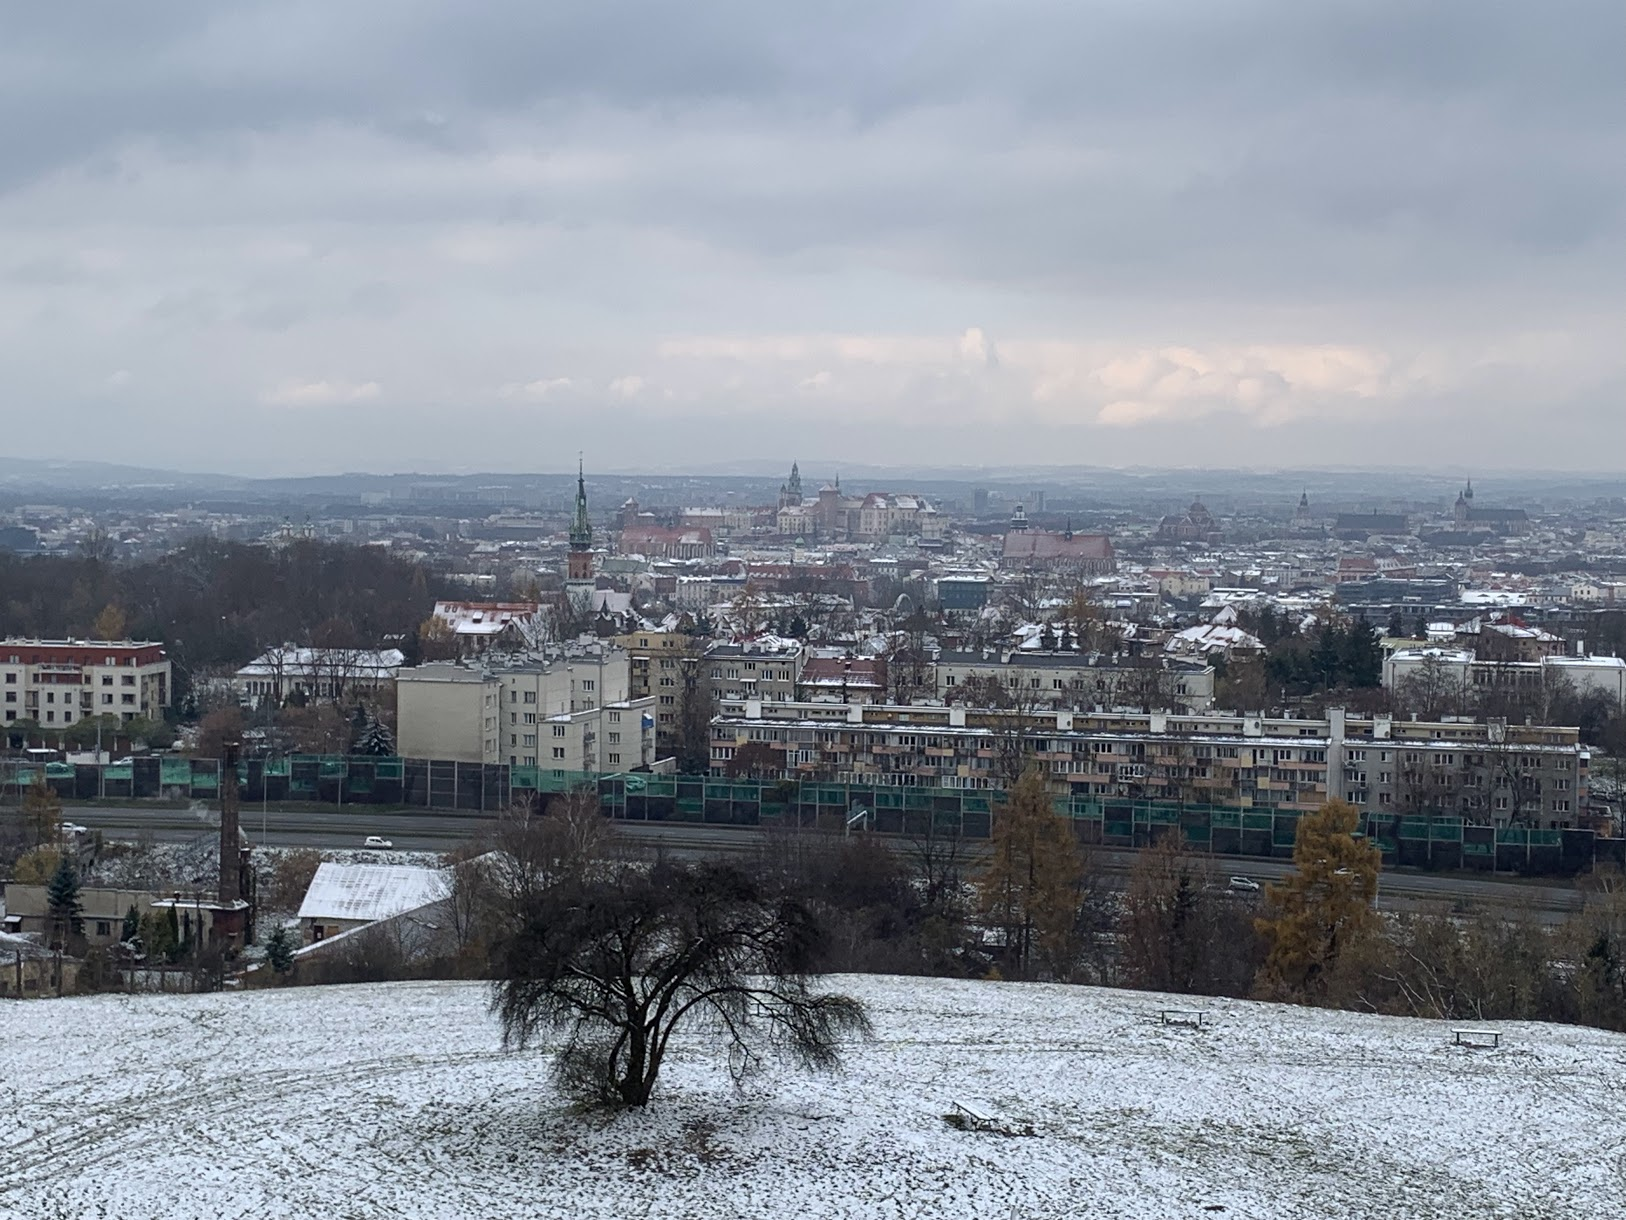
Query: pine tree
pixel 132 925
pixel 1325 906
pixel 279 951
pixel 62 902
pixel 376 739
pixel 1030 886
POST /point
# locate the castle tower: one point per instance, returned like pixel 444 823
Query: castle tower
pixel 790 493
pixel 579 567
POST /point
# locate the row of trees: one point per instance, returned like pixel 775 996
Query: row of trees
pixel 616 956
pixel 217 604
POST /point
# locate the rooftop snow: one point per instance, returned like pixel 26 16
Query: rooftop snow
pixel 369 891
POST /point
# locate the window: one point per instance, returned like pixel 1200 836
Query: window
pixel 558 730
pixel 50 696
pixel 587 684
pixel 513 696
pixel 615 717
pixel 615 758
pixel 11 679
pixel 530 739
pixel 51 717
pixel 530 696
pixel 107 698
pixel 949 681
pixel 513 717
pixel 530 717
pixel 127 679
pixel 513 739
pixel 530 760
pixel 615 739
pixel 11 696
pixel 558 751
pixel 667 701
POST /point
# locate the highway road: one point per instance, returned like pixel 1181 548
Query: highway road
pixel 441 830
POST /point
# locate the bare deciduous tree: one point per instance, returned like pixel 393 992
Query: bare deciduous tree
pixel 618 959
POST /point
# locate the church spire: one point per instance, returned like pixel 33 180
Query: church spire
pixel 581 528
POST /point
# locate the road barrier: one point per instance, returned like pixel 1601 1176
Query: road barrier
pixel 1438 842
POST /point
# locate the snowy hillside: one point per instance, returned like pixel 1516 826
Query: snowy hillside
pixel 362 1102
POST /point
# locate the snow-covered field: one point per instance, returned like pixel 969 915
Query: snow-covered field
pixel 394 1101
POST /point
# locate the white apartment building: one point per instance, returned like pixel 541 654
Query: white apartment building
pixel 57 683
pixel 1604 675
pixel 566 709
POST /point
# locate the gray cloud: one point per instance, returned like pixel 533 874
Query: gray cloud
pixel 1159 213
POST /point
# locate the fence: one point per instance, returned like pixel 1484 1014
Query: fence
pixel 1424 842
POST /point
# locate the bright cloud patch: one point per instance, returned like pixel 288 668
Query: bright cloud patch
pixel 320 393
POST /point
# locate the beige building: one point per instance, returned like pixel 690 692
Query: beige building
pixel 568 709
pixel 655 671
pixel 103 910
pixel 59 682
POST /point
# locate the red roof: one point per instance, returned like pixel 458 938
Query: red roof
pixel 1041 544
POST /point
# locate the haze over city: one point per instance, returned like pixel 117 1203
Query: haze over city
pixel 275 239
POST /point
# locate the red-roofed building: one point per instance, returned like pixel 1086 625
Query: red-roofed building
pixel 1085 554
pixel 663 542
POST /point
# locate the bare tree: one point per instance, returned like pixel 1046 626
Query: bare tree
pixel 618 960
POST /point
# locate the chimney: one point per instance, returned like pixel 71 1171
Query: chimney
pixel 230 853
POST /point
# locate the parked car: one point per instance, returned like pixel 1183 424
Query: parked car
pixel 378 841
pixel 1244 885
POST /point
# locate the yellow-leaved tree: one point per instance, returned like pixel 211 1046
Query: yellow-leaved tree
pixel 1321 910
pixel 1030 889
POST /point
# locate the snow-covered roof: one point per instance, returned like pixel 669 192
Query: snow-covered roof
pixel 368 892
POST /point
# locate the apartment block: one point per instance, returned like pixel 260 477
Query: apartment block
pixel 59 682
pixel 1056 679
pixel 1486 772
pixel 567 710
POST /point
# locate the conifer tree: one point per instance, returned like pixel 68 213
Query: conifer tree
pixel 62 902
pixel 131 927
pixel 279 951
pixel 1030 886
pixel 1324 907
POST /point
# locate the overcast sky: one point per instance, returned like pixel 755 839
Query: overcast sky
pixel 309 237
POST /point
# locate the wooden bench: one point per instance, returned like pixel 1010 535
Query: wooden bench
pixel 975 1119
pixel 1194 1017
pixel 1488 1038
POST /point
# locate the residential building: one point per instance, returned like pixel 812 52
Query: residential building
pixel 102 909
pixel 1462 670
pixel 1492 773
pixel 1052 679
pixel 767 667
pixel 842 678
pixel 566 708
pixel 59 682
pixel 655 662
pixel 479 626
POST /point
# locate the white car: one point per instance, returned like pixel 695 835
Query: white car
pixel 71 830
pixel 378 841
pixel 1244 885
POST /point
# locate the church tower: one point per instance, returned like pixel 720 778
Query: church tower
pixel 579 567
pixel 790 493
